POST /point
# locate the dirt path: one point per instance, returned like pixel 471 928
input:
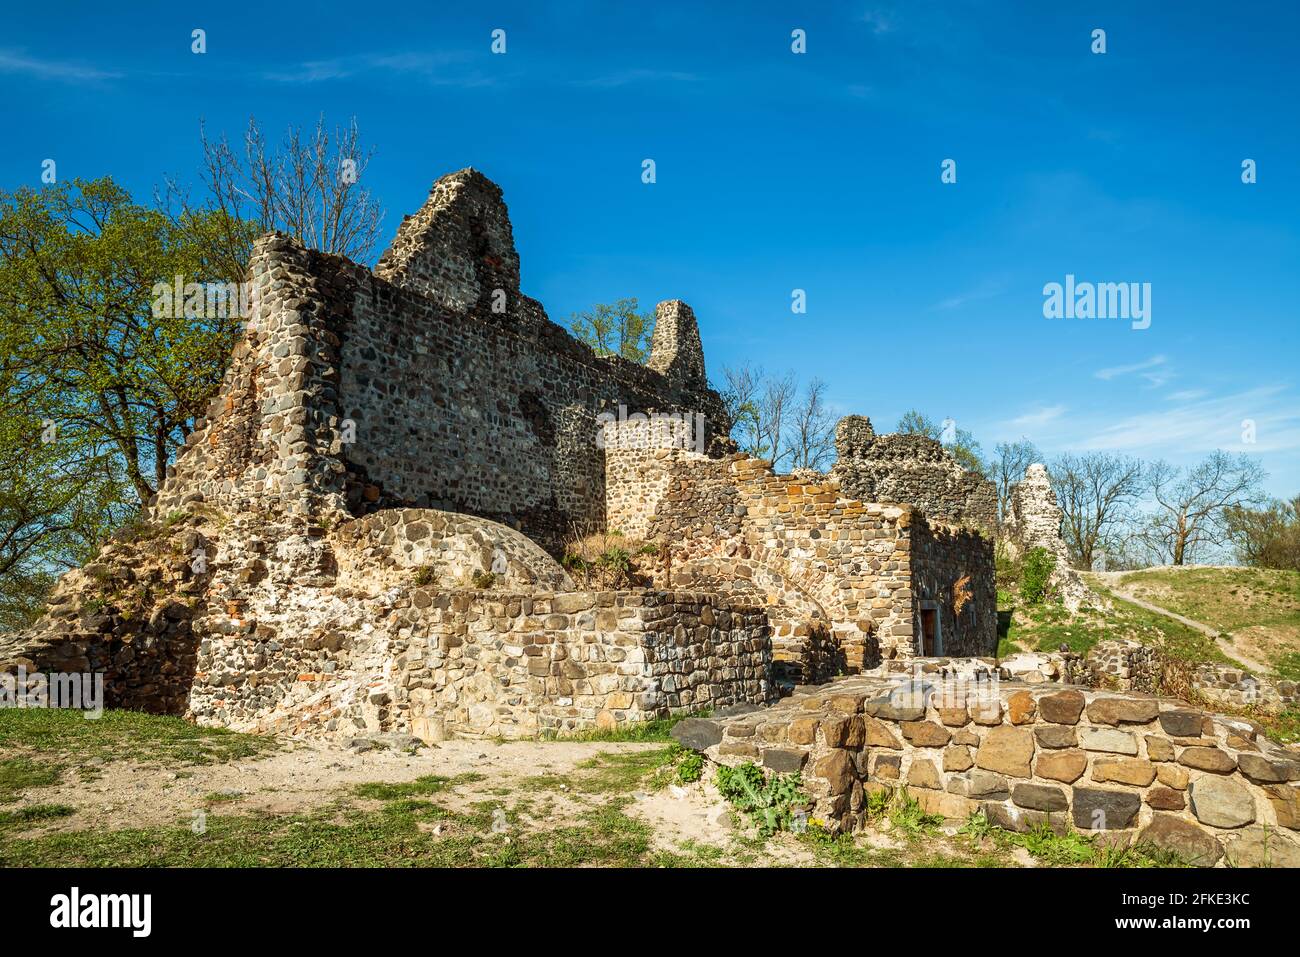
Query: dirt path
pixel 1112 580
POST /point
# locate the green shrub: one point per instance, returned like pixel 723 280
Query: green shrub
pixel 1035 572
pixel 483 579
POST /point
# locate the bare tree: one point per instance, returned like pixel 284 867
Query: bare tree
pixel 1007 467
pixel 310 188
pixel 812 430
pixel 760 406
pixel 774 403
pixel 1095 492
pixel 1192 503
pixel 739 394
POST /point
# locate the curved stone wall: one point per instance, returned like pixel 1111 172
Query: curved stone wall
pixel 1133 767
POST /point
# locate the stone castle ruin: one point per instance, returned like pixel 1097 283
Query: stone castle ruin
pixel 362 534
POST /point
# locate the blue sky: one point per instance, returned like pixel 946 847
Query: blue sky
pixel 778 171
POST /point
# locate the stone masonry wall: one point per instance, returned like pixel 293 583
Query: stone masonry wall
pixel 914 470
pixel 433 382
pixel 521 665
pixel 1129 766
pixel 861 567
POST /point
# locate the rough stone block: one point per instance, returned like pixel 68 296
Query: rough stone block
pixel 1113 711
pixel 1221 802
pixel 1067 766
pixel 1096 809
pixel 1064 707
pixel 1006 750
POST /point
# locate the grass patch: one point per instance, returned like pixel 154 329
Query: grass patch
pixel 1229 599
pixel 34 813
pixel 656 730
pixel 20 773
pixel 407 830
pixel 125 736
pixel 428 784
pixel 1046 627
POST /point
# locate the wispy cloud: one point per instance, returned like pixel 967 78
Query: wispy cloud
pixel 17 62
pixel 1113 372
pixel 879 21
pixel 436 68
pixel 1038 417
pixel 985 290
pixel 1206 424
pixel 627 77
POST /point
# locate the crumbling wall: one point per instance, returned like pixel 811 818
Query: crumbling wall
pixel 432 383
pixel 842 578
pixel 1034 521
pixel 911 469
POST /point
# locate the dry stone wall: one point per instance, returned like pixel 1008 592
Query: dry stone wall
pixel 1129 766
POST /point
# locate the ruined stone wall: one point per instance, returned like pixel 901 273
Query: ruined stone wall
pixel 841 578
pixel 369 626
pixel 1127 766
pixel 952 567
pixel 914 470
pixel 127 616
pixel 1034 521
pixel 433 382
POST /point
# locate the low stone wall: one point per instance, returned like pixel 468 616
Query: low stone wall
pixel 1135 767
pixel 518 666
pixel 1128 665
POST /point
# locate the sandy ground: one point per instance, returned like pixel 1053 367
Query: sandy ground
pixel 301 777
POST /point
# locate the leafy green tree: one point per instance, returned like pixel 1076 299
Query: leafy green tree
pixel 99 388
pixel 615 329
pixel 961 443
pixel 1265 537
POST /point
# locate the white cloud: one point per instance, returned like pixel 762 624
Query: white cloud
pixel 16 62
pixel 1200 426
pixel 1038 418
pixel 1115 371
pixel 432 67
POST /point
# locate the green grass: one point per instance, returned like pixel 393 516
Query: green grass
pixel 125 736
pixel 20 773
pixel 611 773
pixel 1047 627
pixel 429 784
pixel 34 813
pixel 656 730
pixel 406 831
pixel 1229 599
